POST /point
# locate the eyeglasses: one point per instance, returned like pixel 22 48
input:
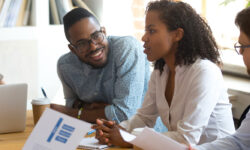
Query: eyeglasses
pixel 84 45
pixel 238 47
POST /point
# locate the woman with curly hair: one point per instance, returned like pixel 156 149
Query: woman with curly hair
pixel 186 88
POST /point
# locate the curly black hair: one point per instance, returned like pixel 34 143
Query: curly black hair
pixel 242 20
pixel 197 41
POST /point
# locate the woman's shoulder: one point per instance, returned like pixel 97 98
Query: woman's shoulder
pixel 204 64
pixel 201 68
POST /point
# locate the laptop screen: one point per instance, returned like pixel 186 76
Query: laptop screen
pixel 13 103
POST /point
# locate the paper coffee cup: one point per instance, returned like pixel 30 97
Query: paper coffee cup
pixel 39 106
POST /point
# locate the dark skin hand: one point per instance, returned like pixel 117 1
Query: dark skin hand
pixel 108 133
pixel 94 105
pixel 66 110
pixel 91 111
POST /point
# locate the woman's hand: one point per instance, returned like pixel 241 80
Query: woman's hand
pixel 115 138
pixel 100 128
pixel 108 133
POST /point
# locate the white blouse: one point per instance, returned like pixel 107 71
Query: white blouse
pixel 200 110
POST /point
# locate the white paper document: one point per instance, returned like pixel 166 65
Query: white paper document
pixel 91 143
pixel 151 140
pixel 55 130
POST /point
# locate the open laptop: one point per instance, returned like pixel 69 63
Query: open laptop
pixel 13 103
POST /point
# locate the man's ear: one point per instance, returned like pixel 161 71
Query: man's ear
pixel 104 30
pixel 179 33
pixel 72 49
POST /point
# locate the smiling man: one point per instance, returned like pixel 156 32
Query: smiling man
pixel 102 76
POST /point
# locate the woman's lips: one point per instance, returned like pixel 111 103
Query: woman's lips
pixel 146 49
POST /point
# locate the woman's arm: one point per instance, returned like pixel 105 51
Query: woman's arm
pixel 108 132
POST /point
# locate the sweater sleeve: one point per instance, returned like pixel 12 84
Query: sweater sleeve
pixel 131 71
pixel 147 114
pixel 69 95
pixel 239 140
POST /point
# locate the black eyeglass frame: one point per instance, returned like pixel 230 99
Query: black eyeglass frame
pixel 92 39
pixel 237 47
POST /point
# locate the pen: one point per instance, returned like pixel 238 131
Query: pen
pixel 44 94
pixel 92 131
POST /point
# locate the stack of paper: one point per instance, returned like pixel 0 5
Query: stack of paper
pixel 151 140
pixel 91 143
pixel 55 130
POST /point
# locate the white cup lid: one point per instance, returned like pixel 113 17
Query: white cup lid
pixel 40 101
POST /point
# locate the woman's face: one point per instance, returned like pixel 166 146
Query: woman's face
pixel 244 40
pixel 159 42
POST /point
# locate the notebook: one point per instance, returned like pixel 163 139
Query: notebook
pixel 13 103
pixel 91 143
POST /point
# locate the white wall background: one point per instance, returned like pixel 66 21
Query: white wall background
pixel 118 17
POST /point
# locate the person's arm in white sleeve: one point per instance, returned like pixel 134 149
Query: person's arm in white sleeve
pixel 238 141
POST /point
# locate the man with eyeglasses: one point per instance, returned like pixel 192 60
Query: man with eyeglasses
pixel 102 76
pixel 240 140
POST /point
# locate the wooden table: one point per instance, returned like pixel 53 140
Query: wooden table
pixel 15 141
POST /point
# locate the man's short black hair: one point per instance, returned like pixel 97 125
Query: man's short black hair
pixel 243 21
pixel 74 16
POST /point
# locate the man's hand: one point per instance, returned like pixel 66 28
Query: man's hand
pixel 96 105
pixel 93 105
pixel 90 112
pixel 108 132
pixel 66 110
